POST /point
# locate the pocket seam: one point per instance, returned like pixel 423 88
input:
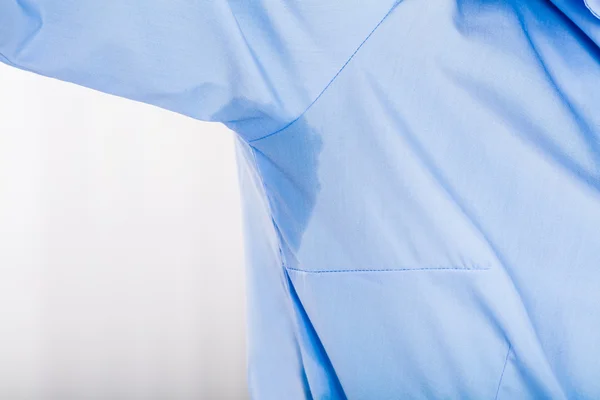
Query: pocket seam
pixel 331 271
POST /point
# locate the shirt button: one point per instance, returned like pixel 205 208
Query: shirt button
pixel 594 7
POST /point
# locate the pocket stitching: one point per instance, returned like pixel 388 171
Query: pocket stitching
pixel 330 271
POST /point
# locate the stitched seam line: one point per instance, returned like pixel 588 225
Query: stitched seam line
pixel 502 374
pixel 332 79
pixel 268 201
pixel 387 270
pixel 292 316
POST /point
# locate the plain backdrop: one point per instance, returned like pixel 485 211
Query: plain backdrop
pixel 121 256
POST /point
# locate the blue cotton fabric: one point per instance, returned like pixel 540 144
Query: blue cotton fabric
pixel 421 178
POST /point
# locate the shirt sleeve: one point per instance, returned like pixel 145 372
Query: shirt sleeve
pixel 183 55
pixel 254 65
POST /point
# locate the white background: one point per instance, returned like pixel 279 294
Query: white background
pixel 121 265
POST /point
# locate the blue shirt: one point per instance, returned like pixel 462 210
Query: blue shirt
pixel 421 178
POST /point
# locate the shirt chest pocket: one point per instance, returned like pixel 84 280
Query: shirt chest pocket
pixel 437 238
pixel 376 226
pixel 353 205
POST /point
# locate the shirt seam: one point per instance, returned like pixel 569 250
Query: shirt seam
pixel 330 271
pixel 503 370
pixel 281 261
pixel 332 79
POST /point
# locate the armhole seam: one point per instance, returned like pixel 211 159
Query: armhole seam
pixel 332 79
